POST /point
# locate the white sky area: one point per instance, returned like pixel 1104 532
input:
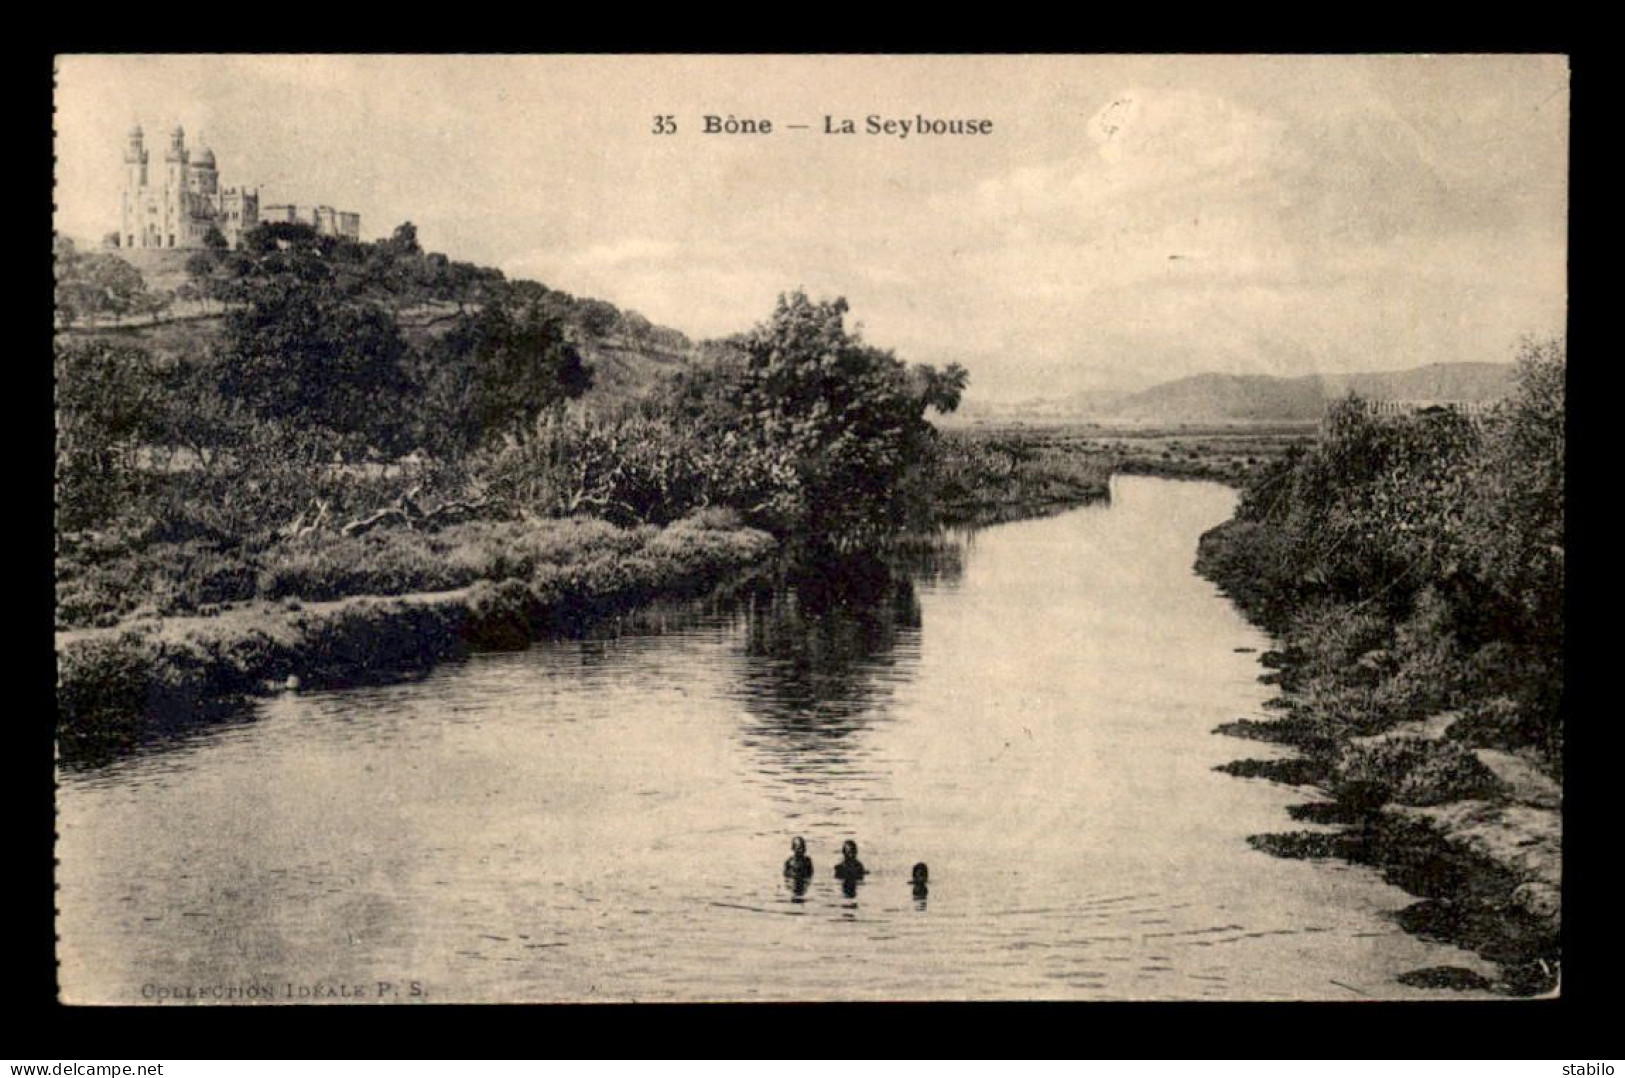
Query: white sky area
pixel 1129 220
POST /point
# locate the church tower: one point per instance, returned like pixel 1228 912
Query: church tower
pixel 132 229
pixel 177 205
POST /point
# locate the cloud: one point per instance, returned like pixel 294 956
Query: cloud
pixel 1145 152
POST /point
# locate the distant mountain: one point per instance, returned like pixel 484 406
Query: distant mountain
pixel 1206 397
pixel 1228 396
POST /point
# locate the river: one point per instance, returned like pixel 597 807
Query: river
pixel 1028 710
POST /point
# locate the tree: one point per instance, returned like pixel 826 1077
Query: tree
pixel 299 354
pixel 192 413
pixel 942 390
pixel 637 327
pixel 90 287
pixel 850 416
pixel 395 272
pixel 1514 522
pixel 499 368
pixel 304 348
pixel 598 317
pixel 404 240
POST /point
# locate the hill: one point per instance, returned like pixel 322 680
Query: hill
pixel 626 353
pixel 1228 396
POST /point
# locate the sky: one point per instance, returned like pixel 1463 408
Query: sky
pixel 1128 220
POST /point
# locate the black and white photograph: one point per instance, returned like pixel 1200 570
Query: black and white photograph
pixel 573 528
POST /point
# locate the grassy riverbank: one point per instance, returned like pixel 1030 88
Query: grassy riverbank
pixel 1411 570
pixel 336 611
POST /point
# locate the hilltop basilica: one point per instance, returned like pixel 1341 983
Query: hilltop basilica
pixel 177 204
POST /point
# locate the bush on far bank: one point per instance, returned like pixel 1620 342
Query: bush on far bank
pixel 1412 771
pixel 1415 564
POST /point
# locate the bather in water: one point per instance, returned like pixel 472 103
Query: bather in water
pixel 799 866
pixel 850 871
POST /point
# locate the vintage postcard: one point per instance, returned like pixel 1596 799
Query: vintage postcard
pixel 723 528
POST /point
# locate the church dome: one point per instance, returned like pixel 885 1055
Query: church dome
pixel 205 157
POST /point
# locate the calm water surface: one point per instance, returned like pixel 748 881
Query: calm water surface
pixel 1029 711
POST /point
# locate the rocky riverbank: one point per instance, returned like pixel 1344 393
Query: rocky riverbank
pixel 1471 828
pixel 1412 569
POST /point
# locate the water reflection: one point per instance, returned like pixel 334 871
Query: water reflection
pixel 934 557
pixel 920 885
pixel 825 632
pixel 159 728
pixel 826 645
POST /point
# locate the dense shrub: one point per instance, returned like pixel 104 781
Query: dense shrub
pixel 94 587
pixel 225 471
pixel 1504 720
pixel 1414 771
pixel 635 470
pixel 966 475
pixel 1414 563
